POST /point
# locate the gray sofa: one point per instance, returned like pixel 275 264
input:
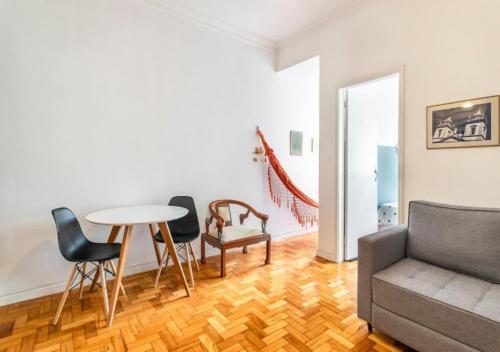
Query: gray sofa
pixel 434 285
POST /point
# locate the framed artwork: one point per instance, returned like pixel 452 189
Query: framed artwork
pixel 468 123
pixel 296 141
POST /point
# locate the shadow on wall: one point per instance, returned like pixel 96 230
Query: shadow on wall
pixel 30 270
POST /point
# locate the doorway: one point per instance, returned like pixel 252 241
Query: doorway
pixel 371 157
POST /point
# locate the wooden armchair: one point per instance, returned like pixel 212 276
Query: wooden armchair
pixel 225 235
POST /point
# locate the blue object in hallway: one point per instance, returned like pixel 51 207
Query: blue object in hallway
pixel 387 185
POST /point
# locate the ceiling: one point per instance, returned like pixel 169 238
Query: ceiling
pixel 266 22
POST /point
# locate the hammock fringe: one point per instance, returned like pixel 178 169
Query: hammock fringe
pixel 283 191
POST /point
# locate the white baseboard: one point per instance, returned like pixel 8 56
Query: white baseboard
pixel 129 270
pixel 327 255
pixel 59 287
pixel 284 235
pixel 31 293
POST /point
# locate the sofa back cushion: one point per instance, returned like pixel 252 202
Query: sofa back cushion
pixel 462 239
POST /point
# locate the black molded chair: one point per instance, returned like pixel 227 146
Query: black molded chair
pixel 76 248
pixel 183 231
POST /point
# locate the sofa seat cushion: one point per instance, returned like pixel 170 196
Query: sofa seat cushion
pixel 458 306
pixel 235 232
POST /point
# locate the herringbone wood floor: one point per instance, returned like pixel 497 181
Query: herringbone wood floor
pixel 298 303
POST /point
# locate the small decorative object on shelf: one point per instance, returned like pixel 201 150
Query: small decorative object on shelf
pixel 259 154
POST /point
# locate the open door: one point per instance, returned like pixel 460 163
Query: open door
pixel 361 168
pixel 371 176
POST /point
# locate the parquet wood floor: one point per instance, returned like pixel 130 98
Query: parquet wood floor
pixel 298 303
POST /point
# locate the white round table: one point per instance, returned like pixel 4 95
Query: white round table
pixel 137 215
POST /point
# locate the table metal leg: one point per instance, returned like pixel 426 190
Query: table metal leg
pixel 167 237
pixel 111 239
pixel 119 273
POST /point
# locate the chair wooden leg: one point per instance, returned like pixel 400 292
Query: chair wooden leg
pixel 119 273
pixel 188 259
pixel 203 259
pixel 104 289
pixel 82 275
pixel 162 261
pixel 167 237
pixel 152 231
pixel 268 252
pixel 223 262
pixel 194 256
pixel 65 294
pixel 113 267
pixel 115 231
pixel 245 250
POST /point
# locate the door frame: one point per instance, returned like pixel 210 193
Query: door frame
pixel 341 153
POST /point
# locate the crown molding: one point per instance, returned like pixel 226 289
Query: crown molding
pixel 174 8
pixel 334 15
pixel 213 24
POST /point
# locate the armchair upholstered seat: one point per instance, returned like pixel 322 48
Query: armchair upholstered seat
pixel 235 232
pixel 224 235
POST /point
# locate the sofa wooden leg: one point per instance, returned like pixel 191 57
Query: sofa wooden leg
pixel 370 327
pixel 245 250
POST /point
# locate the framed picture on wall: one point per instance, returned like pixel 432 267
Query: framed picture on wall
pixel 296 141
pixel 468 123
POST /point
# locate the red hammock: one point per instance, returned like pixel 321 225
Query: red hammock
pixel 283 190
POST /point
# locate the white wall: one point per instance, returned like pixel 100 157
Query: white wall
pixel 113 103
pixel 449 52
pixel 298 99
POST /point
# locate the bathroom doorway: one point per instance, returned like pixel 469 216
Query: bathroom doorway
pixel 370 114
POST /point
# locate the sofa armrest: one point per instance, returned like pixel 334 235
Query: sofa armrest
pixel 376 252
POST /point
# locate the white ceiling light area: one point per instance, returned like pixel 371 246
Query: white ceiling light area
pixel 263 22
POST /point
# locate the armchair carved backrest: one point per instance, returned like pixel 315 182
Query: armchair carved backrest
pixel 220 212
